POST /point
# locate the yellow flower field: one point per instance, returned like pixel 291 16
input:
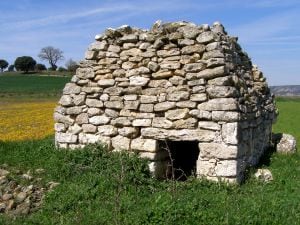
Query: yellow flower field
pixel 26 120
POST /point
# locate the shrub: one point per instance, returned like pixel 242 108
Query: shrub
pixel 25 63
pixel 40 67
pixel 3 64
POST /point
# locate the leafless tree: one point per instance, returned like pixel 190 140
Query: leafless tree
pixel 52 55
pixel 71 65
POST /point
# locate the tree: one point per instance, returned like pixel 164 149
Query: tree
pixel 11 68
pixel 40 67
pixel 62 69
pixel 71 65
pixel 3 64
pixel 25 63
pixel 52 55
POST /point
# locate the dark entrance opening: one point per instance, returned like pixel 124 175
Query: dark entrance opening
pixel 183 158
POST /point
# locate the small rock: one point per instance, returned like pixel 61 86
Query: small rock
pixel 27 176
pixel 264 175
pixel 20 197
pixel 6 197
pixel 3 172
pixel 52 184
pixel 286 143
pixel 39 170
pixel 2 207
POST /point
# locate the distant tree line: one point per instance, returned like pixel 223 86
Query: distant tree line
pixel 50 54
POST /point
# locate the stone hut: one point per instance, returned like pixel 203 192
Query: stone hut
pixel 178 94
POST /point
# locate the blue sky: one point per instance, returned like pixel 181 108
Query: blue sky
pixel 268 30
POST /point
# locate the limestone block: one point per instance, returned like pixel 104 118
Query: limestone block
pixel 221 81
pixel 213 54
pixel 112 113
pixel 168 53
pixel 90 55
pixel 114 48
pixel 141 122
pixel 213 46
pixel 185 42
pixel 147 108
pixel 94 138
pixel 79 99
pixel 106 82
pixel 212 72
pixel 189 123
pixel 153 66
pixel 225 116
pixel 94 111
pixel 75 129
pixel 119 142
pixel 178 96
pixel 107 130
pixel 71 88
pixel 230 133
pixel 221 91
pixel 177 114
pixel 121 122
pixel 90 90
pixel 196 82
pixel 263 175
pixel 144 115
pixel 177 80
pixel 170 65
pixel 209 125
pixel 138 81
pixel 178 135
pixel 98 45
pixel 65 137
pixel 214 62
pixel 200 97
pixel 148 99
pixel 227 168
pixel 82 118
pixel 59 127
pixel 198 48
pixel 99 120
pixel 194 67
pixel 186 104
pixel 217 151
pixel 130 132
pixel 94 103
pixel 162 74
pixel 131 52
pixel 206 37
pixel 114 90
pixel 198 89
pixel 89 128
pixel 66 100
pixel 200 114
pixel 148 145
pixel 75 110
pixel 205 168
pixel 114 104
pixel 164 106
pixel 85 73
pixel 189 32
pixel 63 119
pixel 286 143
pixel 129 38
pixel 130 97
pixel 162 122
pixel 131 105
pixel 219 104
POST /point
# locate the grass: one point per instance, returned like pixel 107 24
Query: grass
pixel 97 187
pixel 24 86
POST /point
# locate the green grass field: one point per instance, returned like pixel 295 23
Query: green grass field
pixel 97 187
pixel 34 86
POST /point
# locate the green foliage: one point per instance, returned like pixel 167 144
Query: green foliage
pixel 100 187
pixel 62 69
pixel 25 63
pixel 3 64
pixel 31 85
pixel 11 68
pixel 71 65
pixel 40 67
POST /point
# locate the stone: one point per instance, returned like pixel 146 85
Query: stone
pixel 71 88
pixel 99 120
pixel 177 114
pixel 133 105
pixel 226 116
pixel 178 96
pixel 212 72
pixel 98 45
pixel 230 133
pixel 162 122
pixel 188 50
pixel 82 118
pixel 107 130
pixel 219 104
pixel 194 67
pixel 153 66
pixel 75 110
pixel 198 97
pixel 94 111
pixel 148 99
pixel 20 197
pixel 79 99
pixel 147 108
pixel 66 138
pixel 190 32
pixel 130 38
pixel 112 113
pixel 94 103
pixel 89 128
pixel 185 42
pixel 3 172
pixel 162 74
pixel 106 82
pixel 85 73
pixel 206 37
pixel 200 114
pixel 75 129
pixel 217 150
pixel 119 142
pixel 285 143
pixel 148 145
pixel 263 175
pixel 214 54
pixel 130 132
pixel 227 168
pixel 141 122
pixel 186 104
pixel 93 138
pixel 90 55
pixel 221 91
pixel 63 119
pixel 138 81
pixel 121 122
pixel 168 53
pixel 130 97
pixel 209 125
pixel 66 100
pixel 164 106
pixel 114 104
pixel 160 155
pixel 189 123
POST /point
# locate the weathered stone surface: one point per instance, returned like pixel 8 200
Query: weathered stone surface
pixel 177 114
pixel 66 138
pixel 94 103
pixel 153 66
pixel 131 105
pixel 161 155
pixel 194 67
pixel 114 104
pixel 189 123
pixel 193 49
pixel 112 113
pixel 119 142
pixel 63 119
pixel 178 135
pixel 285 143
pixel 66 100
pixel 198 97
pixel 141 122
pixel 212 73
pixel 148 99
pixel 201 114
pixel 225 116
pixel 209 125
pixel 170 65
pixel 227 168
pixel 189 32
pixel 85 73
pixel 147 108
pixel 217 150
pixel 107 130
pixel 106 82
pixel 99 120
pixel 162 74
pixel 71 88
pixel 121 122
pixel 178 96
pixel 138 81
pixel 75 129
pixel 82 118
pixel 93 138
pixel 206 37
pixel 148 145
pixel 89 128
pixel 263 175
pixel 164 106
pixel 75 110
pixel 219 104
pixel 162 122
pixel 230 133
pixel 186 104
pixel 130 132
pixel 221 91
pixel 59 127
pixel 94 111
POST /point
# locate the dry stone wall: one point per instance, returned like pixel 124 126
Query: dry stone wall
pixel 178 82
